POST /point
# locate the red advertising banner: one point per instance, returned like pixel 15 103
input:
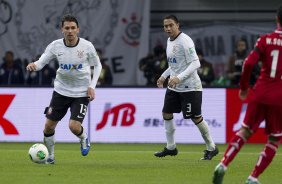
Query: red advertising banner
pixel 235 113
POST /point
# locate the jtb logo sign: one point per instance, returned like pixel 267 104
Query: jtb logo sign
pixel 127 110
pixel 8 127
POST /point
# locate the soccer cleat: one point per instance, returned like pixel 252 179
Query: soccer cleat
pixel 208 155
pixel 166 152
pixel 84 146
pixel 250 181
pixel 218 174
pixel 50 161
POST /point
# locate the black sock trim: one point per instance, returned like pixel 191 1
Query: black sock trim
pixel 168 119
pixel 48 135
pixel 200 121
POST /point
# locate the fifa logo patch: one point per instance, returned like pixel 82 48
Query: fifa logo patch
pixel 191 51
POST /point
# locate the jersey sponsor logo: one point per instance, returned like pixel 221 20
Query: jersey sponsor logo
pixel 70 67
pixel 126 110
pixel 7 126
pixel 171 60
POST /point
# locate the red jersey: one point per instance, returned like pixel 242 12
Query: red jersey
pixel 268 50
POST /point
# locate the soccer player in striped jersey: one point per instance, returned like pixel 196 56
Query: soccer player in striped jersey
pixel 184 92
pixel 265 103
pixel 73 86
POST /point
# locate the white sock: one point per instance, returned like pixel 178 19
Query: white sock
pixel 204 129
pixel 169 130
pixel 83 135
pixel 252 178
pixel 50 144
pixel 82 138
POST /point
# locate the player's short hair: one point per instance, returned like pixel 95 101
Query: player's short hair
pixel 279 14
pixel 69 18
pixel 173 17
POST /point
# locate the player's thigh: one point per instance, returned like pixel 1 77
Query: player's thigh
pixel 58 107
pixel 172 102
pixel 273 120
pixel 255 114
pixel 79 108
pixel 191 104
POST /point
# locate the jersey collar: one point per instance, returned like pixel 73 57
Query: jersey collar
pixel 71 46
pixel 175 37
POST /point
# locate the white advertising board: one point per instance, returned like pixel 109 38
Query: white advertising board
pixel 128 115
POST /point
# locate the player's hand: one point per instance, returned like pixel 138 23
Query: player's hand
pixel 173 81
pixel 91 93
pixel 160 82
pixel 31 67
pixel 243 94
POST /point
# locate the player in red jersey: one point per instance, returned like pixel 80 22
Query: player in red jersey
pixel 265 103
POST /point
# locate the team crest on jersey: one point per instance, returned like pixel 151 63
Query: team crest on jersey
pixel 175 49
pixel 80 53
pixel 50 109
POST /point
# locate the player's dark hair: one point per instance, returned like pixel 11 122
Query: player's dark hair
pixel 173 17
pixel 279 14
pixel 69 18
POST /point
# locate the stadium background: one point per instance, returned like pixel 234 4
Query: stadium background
pixel 127 30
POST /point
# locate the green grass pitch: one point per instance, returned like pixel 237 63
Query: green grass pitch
pixel 129 164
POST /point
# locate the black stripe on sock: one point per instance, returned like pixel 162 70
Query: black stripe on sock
pixel 200 121
pixel 49 135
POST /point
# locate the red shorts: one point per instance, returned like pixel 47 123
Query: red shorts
pixel 257 112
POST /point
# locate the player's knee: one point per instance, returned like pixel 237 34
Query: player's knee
pixel 167 116
pixel 245 132
pixel 274 139
pixel 75 127
pixel 197 120
pixel 50 126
